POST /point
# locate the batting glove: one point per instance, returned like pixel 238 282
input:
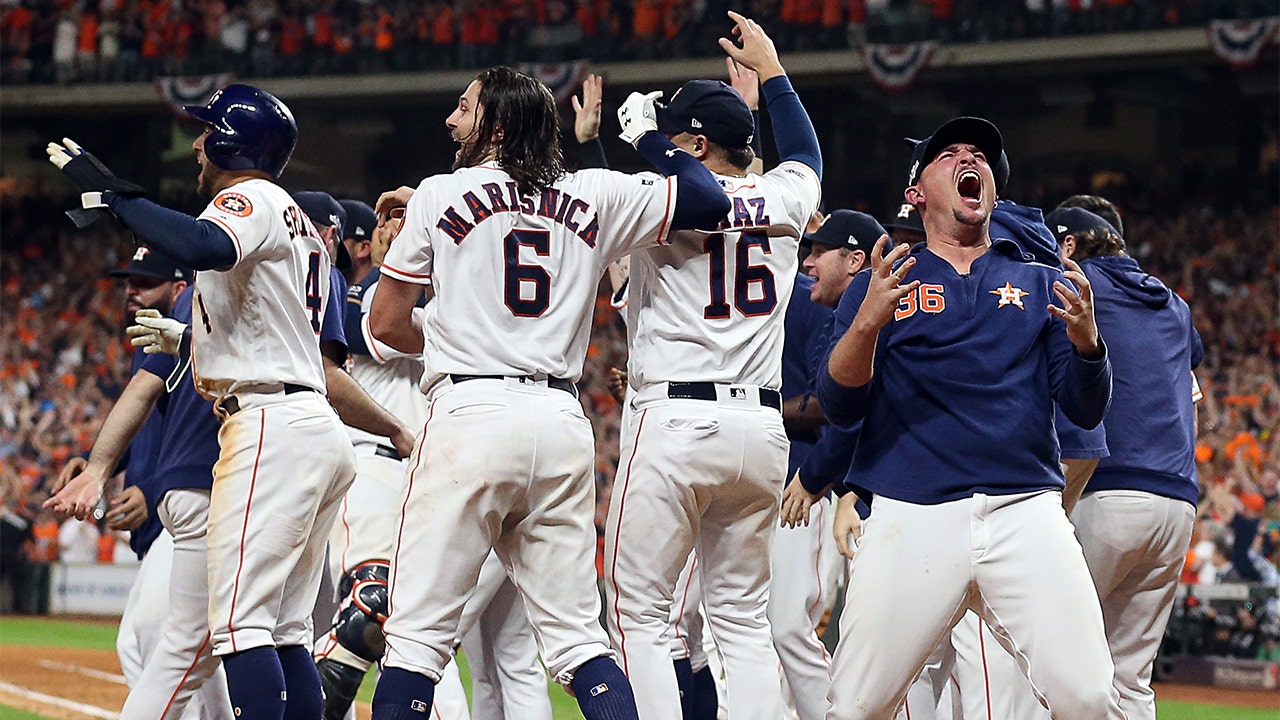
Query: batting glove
pixel 89 172
pixel 155 333
pixel 638 115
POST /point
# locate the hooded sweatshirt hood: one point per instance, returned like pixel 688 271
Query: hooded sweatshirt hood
pixel 1123 272
pixel 1025 226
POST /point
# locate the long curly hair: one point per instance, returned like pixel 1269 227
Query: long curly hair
pixel 521 123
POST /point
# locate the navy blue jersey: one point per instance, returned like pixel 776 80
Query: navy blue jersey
pixel 803 340
pixel 189 446
pixel 1153 346
pixel 352 312
pixel 961 400
pixel 331 327
pixel 140 469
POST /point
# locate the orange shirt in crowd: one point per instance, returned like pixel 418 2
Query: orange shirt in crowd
pixel 1245 443
pixel 292 34
pixel 88 42
pixel 383 39
pixel 106 547
pixel 469 28
pixel 646 19
pixel 44 542
pixel 442 27
pixel 489 24
pixel 323 23
pixel 832 13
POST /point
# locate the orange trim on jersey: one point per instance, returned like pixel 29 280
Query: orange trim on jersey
pixel 395 558
pixel 186 674
pixel 346 548
pixel 666 215
pixel 232 233
pixel 235 586
pixel 396 271
pixel 817 571
pixel 370 341
pixel 613 567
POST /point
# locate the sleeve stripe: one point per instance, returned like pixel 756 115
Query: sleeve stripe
pixel 405 274
pixel 369 340
pixel 667 212
pixel 232 233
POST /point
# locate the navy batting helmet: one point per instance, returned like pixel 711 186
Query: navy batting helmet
pixel 251 129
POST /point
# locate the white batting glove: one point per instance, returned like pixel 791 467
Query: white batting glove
pixel 155 333
pixel 638 115
pixel 61 153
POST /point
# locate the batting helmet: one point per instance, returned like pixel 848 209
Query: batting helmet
pixel 251 129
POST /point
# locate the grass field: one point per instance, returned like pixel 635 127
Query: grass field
pixel 16 631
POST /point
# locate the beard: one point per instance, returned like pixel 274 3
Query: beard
pixel 204 183
pixel 972 220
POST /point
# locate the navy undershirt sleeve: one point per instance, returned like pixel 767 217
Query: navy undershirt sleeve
pixel 700 201
pixel 196 244
pixel 1085 393
pixel 793 132
pixel 593 154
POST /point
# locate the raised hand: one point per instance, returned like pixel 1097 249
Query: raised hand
pixel 1077 311
pixel 753 49
pixel 885 289
pixel 586 113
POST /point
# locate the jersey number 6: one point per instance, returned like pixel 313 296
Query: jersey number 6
pixel 745 275
pixel 516 274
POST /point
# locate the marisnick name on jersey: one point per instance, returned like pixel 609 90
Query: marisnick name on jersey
pixel 573 213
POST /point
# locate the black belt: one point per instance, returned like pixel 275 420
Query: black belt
pixel 387 451
pixel 230 405
pixel 707 391
pixel 556 383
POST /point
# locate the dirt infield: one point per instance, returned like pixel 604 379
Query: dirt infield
pixel 92 677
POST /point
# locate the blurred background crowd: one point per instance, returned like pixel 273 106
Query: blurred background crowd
pixel 66 41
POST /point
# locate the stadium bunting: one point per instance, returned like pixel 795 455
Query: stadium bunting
pixel 563 78
pixel 895 67
pixel 1240 42
pixel 179 91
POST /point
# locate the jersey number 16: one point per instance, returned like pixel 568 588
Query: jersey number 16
pixel 746 274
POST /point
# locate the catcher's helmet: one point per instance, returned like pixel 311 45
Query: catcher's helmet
pixel 251 129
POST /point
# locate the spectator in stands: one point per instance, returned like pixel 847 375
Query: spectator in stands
pixel 77 542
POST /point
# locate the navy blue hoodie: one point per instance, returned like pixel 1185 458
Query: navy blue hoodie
pixel 1153 347
pixel 961 400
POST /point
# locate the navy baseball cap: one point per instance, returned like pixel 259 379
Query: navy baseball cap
pixel 361 220
pixel 326 212
pixel 969 130
pixel 847 229
pixel 1073 220
pixel 710 108
pixel 153 264
pixel 907 218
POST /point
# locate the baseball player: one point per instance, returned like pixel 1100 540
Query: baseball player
pixel 1135 519
pixel 957 371
pixel 182 460
pixel 261 295
pixel 513 248
pixel 705 452
pixel 361 541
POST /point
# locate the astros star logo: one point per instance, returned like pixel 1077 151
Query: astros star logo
pixel 1010 295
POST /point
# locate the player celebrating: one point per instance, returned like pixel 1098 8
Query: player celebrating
pixel 261 295
pixel 956 372
pixel 1134 521
pixel 705 449
pixel 513 248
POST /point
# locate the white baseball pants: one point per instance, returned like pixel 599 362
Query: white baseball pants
pixel 1135 543
pixel 796 594
pixel 285 463
pixel 1013 559
pixel 505 465
pixel 705 474
pixel 992 685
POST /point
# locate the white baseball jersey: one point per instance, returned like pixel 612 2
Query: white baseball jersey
pixel 391 382
pixel 258 322
pixel 711 309
pixel 502 256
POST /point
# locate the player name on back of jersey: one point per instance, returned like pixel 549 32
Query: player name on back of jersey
pixel 747 213
pixel 573 213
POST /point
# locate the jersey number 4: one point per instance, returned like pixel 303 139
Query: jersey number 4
pixel 745 276
pixel 313 290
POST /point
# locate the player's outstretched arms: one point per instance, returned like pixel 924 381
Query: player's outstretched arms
pixel 793 131
pixel 81 494
pixel 700 201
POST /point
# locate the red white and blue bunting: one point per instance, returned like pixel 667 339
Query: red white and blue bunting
pixel 895 67
pixel 179 91
pixel 563 78
pixel 1240 42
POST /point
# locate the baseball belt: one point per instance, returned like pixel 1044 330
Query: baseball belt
pixel 229 405
pixel 556 383
pixel 707 391
pixel 386 451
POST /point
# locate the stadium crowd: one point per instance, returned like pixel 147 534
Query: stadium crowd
pixel 68 41
pixel 64 361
